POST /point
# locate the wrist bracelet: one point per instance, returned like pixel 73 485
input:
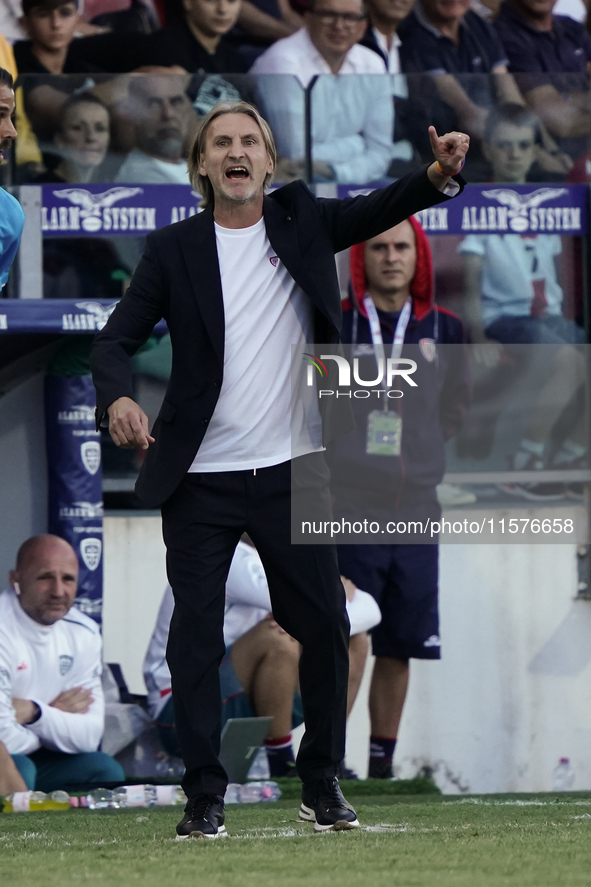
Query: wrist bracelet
pixel 451 175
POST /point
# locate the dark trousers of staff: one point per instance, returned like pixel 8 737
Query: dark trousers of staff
pixel 202 524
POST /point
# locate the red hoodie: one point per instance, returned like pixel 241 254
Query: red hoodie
pixel 421 288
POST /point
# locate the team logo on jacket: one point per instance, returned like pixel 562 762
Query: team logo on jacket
pixel 274 260
pixel 90 551
pixel 428 349
pixel 90 453
pixel 65 664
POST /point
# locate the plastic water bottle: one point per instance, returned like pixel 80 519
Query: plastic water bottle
pixel 169 795
pixel 232 795
pixel 148 795
pixel 260 766
pixel 563 776
pixel 252 792
pixel 23 802
pixel 99 799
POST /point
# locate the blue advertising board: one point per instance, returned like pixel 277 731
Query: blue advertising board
pixel 135 210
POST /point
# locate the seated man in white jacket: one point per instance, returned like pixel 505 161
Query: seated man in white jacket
pixel 259 674
pixel 51 699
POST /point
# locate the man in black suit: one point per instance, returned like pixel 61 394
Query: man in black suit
pixel 238 285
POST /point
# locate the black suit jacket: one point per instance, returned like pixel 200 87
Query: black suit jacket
pixel 178 279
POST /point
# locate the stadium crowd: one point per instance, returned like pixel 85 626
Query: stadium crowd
pixel 449 63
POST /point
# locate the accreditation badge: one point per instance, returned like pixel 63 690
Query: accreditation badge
pixel 384 434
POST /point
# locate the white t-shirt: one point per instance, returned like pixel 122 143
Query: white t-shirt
pixel 265 314
pixel 247 604
pixel 511 264
pixel 39 662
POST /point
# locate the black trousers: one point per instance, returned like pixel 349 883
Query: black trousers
pixel 202 524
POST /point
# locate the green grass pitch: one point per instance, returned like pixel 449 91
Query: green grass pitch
pixel 417 841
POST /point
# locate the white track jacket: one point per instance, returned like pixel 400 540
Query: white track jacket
pixel 38 662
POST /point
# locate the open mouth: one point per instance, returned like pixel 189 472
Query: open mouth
pixel 236 173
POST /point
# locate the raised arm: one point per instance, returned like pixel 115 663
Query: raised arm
pixel 356 219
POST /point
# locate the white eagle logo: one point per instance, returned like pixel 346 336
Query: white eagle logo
pixel 86 413
pixel 101 313
pixel 90 509
pixel 93 203
pixel 520 203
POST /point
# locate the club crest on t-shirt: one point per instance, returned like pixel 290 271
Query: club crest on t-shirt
pixel 428 349
pixel 274 260
pixel 65 664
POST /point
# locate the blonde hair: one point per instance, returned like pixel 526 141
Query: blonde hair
pixel 201 183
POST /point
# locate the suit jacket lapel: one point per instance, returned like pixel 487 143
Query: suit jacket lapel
pixel 282 233
pixel 199 251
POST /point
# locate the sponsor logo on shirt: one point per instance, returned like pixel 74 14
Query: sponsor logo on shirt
pixel 90 453
pixel 65 664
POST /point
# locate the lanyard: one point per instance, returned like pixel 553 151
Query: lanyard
pixel 376 333
pixel 376 329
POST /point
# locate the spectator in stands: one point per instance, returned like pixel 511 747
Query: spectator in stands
pixel 196 43
pixel 160 112
pixel 261 23
pixel 385 17
pixel 81 141
pixel 51 25
pixel 51 705
pixel 327 44
pixel 259 673
pixel 551 58
pixel 381 35
pixel 392 297
pixel 352 117
pixel 512 295
pixel 448 40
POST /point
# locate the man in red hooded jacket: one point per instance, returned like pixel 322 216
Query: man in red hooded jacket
pixel 392 292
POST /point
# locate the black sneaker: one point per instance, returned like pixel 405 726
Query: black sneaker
pixel 204 818
pixel 380 768
pixel 324 805
pixel 536 492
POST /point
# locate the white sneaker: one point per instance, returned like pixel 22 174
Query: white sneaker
pixel 449 495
